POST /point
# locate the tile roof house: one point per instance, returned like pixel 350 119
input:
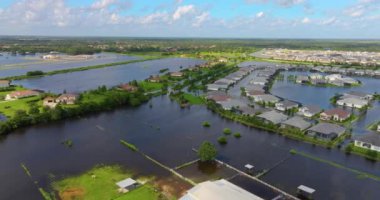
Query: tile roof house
pixel 67 98
pixel 128 87
pixel 369 141
pixel 21 94
pixel 309 111
pixel 273 117
pixel 286 105
pixel 49 102
pixel 336 114
pixel 326 131
pixel 296 123
pixel 154 79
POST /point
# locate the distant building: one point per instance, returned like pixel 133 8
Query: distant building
pixel 21 94
pixel 302 79
pixel 176 74
pixel 5 83
pixel 218 190
pixel 369 141
pixel 154 79
pixel 336 114
pixel 265 98
pixel 326 131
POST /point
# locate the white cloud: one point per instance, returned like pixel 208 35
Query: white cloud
pixel 260 14
pixel 182 10
pixel 102 4
pixel 306 20
pixel 200 19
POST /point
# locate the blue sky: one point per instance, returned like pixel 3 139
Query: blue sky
pixel 193 18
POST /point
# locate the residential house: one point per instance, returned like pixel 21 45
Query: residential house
pixel 315 76
pixel 286 105
pixel 296 123
pixel 5 83
pixel 265 98
pixel 154 79
pixel 21 94
pixel 259 81
pixel 358 95
pixel 128 87
pixel 252 93
pixel 369 141
pixel 352 102
pixel 335 114
pixel 67 98
pixel 216 87
pixel 326 131
pixel 302 79
pixel 176 74
pixel 309 111
pixel 273 117
pixel 378 128
pixel 49 102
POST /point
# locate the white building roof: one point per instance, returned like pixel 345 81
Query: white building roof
pixel 218 190
pixel 306 189
pixel 126 183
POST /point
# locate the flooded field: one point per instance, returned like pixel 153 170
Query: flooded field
pixel 15 65
pixel 110 76
pixel 153 130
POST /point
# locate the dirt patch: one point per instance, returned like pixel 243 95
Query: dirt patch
pixel 72 193
pixel 172 187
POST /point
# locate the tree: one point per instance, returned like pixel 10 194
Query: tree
pixel 207 152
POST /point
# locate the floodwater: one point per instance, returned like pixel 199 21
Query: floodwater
pixel 15 65
pixel 168 133
pixel 109 76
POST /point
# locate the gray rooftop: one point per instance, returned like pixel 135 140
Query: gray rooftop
pixel 313 109
pixel 273 116
pixel 126 183
pixel 371 138
pixel 328 128
pixel 297 122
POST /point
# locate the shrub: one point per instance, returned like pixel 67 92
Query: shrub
pixel 35 73
pixel 206 124
pixel 227 131
pixel 237 135
pixel 222 140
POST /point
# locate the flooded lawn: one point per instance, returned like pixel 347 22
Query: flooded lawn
pixel 20 65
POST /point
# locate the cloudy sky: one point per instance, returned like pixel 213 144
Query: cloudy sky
pixel 193 18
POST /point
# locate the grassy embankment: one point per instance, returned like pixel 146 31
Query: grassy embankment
pixel 360 174
pixel 100 183
pixel 366 153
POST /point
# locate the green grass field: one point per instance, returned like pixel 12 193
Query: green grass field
pixel 148 86
pixel 8 108
pixel 194 100
pixel 100 183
